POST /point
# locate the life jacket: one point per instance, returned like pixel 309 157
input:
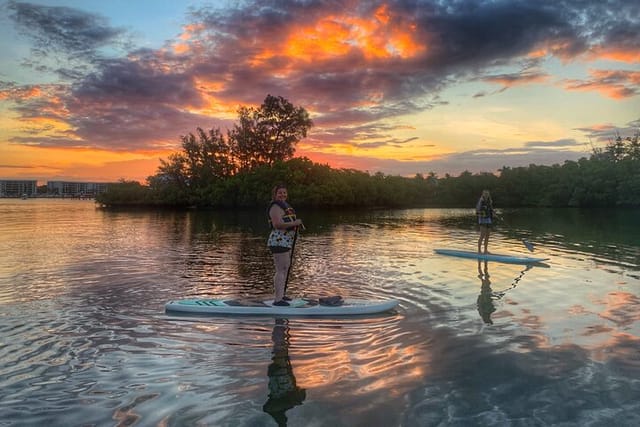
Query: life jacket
pixel 289 213
pixel 484 208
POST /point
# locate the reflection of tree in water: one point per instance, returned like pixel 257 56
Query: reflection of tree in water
pixel 485 299
pixel 284 394
pixel 487 295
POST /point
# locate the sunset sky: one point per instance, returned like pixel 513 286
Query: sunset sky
pixel 101 90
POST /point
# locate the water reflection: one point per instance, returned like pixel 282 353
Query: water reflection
pixel 485 299
pixel 487 295
pixel 284 394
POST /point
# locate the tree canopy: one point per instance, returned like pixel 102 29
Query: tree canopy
pixel 267 134
pixel 238 170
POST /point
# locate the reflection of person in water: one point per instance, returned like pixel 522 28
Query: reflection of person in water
pixel 284 394
pixel 485 299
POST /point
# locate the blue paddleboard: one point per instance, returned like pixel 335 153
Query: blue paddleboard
pixel 507 259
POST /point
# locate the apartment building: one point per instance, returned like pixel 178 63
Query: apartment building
pixel 18 188
pixel 75 189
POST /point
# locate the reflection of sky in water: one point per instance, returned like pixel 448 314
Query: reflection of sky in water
pixel 82 293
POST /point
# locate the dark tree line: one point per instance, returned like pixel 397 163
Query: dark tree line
pixel 238 170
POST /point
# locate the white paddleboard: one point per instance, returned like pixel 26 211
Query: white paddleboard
pixel 297 307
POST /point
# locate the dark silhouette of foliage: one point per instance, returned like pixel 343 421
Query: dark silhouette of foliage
pixel 239 171
pixel 126 193
pixel 269 133
pixel 620 149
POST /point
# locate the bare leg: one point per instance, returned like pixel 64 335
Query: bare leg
pixel 282 262
pixel 486 239
pixel 483 240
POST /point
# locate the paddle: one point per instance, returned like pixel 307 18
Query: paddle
pixel 525 242
pixel 528 244
pixel 293 246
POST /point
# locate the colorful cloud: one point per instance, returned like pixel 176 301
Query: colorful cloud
pixel 364 70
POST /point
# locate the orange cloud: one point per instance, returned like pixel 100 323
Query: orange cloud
pixel 215 106
pixel 48 101
pixel 189 39
pixel 621 54
pixel 21 93
pixel 380 36
pixel 561 48
pixel 46 118
pixel 191 31
pixel 615 84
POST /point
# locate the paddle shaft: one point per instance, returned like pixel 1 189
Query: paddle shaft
pixel 293 246
pixel 525 242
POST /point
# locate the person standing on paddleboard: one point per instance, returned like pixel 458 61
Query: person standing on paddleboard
pixel 484 211
pixel 284 229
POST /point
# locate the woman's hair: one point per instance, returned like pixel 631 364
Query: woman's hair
pixel 275 189
pixel 488 195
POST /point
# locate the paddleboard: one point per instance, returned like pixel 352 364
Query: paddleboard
pixel 508 259
pixel 297 307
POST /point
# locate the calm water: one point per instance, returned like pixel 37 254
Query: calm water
pixel 84 339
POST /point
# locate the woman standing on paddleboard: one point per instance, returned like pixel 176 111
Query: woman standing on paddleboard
pixel 484 211
pixel 284 228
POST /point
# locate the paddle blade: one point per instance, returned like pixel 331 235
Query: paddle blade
pixel 528 244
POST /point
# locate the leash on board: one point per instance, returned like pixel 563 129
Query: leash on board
pixel 500 294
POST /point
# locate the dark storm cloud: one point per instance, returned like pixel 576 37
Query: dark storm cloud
pixel 63 29
pixel 135 83
pixel 150 127
pixel 485 33
pixel 136 104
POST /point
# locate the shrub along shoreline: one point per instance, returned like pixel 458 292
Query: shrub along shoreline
pixel 593 182
pixel 238 170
